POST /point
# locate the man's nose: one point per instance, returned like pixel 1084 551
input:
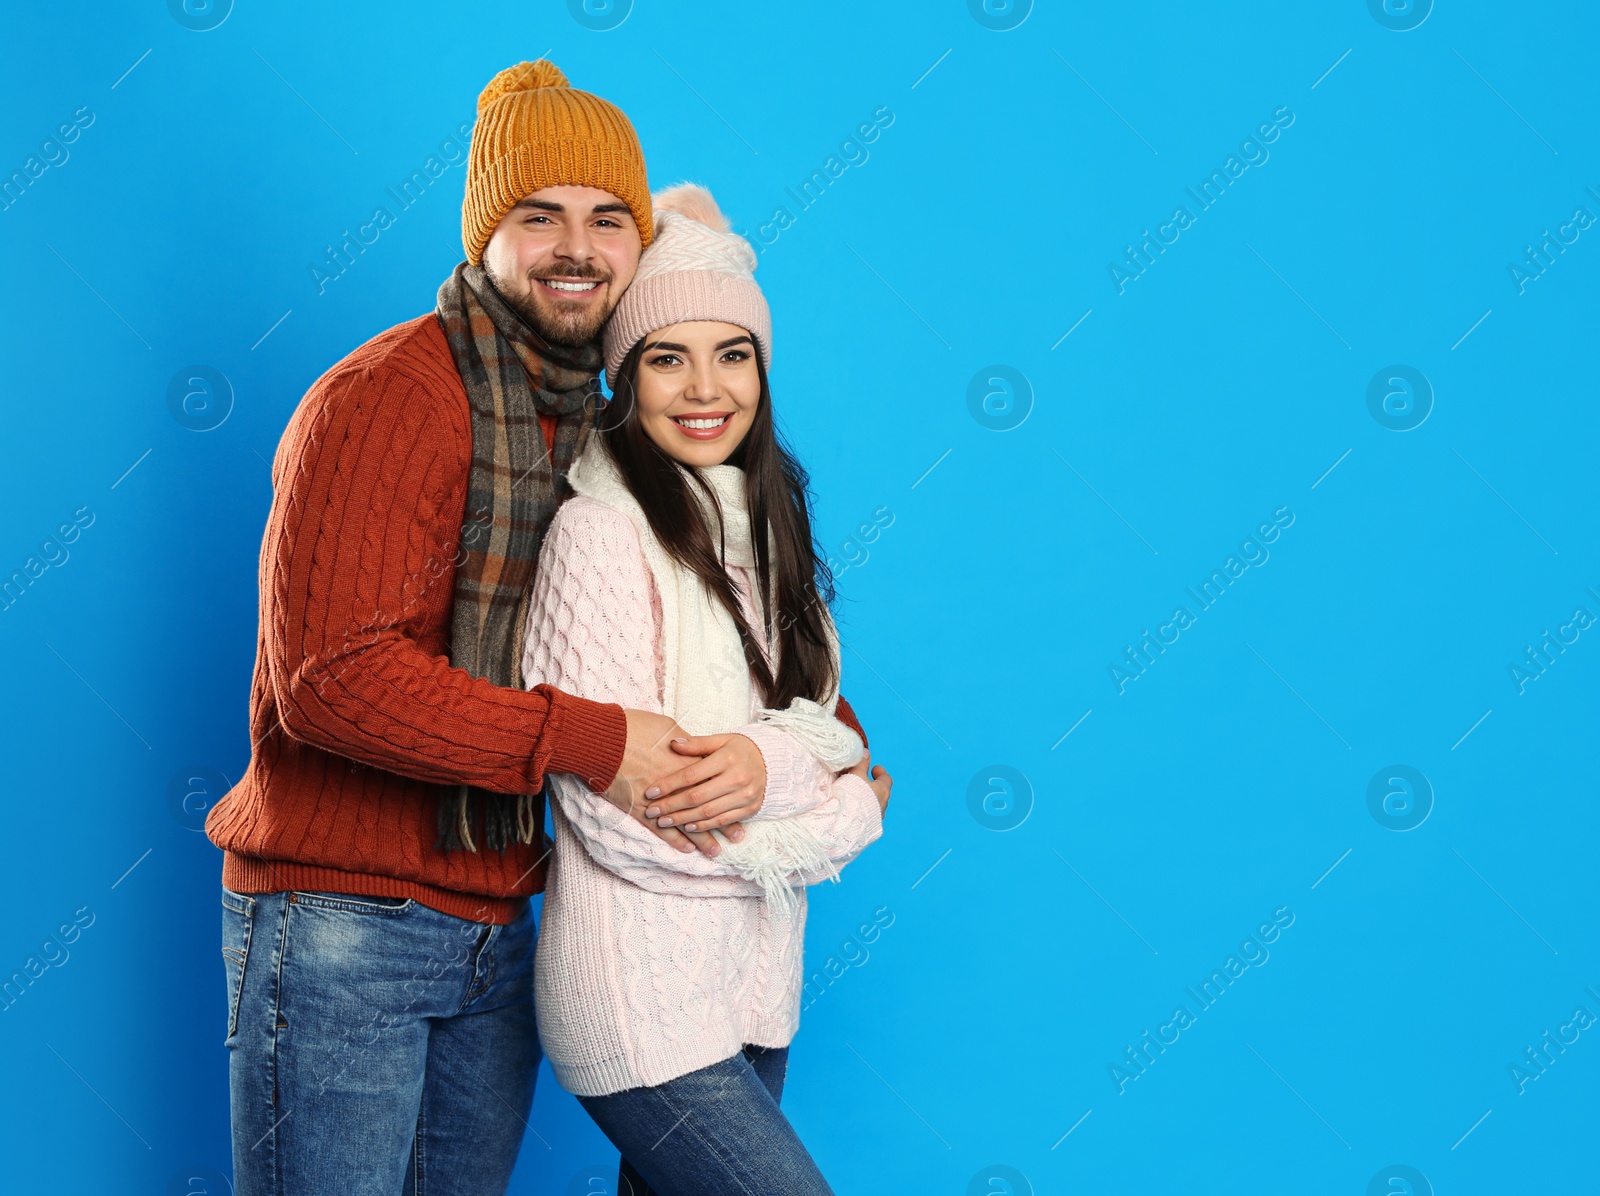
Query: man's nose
pixel 574 245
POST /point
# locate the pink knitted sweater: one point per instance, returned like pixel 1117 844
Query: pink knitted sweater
pixel 653 963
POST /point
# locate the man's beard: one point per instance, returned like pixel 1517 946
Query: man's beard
pixel 560 322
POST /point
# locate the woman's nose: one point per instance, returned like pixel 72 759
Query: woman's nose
pixel 702 385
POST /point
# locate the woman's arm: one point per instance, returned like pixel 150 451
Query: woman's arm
pixel 593 629
pixel 845 822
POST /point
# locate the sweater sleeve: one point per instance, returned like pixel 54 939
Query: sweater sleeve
pixel 801 752
pixel 359 541
pixel 594 629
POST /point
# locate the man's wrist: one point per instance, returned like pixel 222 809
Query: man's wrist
pixel 590 739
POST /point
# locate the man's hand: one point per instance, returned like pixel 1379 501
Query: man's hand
pixel 726 785
pixel 648 755
pixel 878 778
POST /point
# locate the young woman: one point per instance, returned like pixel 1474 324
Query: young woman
pixel 681 579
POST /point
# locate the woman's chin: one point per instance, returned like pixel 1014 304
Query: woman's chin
pixel 702 454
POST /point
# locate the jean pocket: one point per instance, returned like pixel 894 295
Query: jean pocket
pixel 238 920
pixel 352 904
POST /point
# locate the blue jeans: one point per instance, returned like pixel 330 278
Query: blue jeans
pixel 376 1046
pixel 714 1132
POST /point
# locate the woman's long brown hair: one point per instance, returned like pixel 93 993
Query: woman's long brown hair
pixel 793 579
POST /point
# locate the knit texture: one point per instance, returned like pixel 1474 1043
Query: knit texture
pixel 695 269
pixel 653 962
pixel 535 130
pixel 356 716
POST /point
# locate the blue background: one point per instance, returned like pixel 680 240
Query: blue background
pixel 969 1047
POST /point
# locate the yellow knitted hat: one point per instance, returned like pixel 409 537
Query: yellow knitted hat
pixel 535 130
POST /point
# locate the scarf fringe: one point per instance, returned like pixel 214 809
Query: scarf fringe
pixel 507 818
pixel 774 853
pixel 828 740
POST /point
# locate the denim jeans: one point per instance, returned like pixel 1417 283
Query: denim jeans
pixel 376 1046
pixel 714 1132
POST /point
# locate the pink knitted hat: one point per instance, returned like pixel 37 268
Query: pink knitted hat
pixel 694 269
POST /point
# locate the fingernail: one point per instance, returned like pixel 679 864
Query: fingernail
pixel 736 835
pixel 690 827
pixel 667 821
pixel 652 811
pixel 653 791
pixel 680 739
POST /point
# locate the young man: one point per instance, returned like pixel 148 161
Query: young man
pixel 380 852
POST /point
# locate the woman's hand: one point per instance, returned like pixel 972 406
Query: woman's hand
pixel 646 754
pixel 728 784
pixel 878 778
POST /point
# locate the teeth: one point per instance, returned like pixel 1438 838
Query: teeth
pixel 703 424
pixel 557 284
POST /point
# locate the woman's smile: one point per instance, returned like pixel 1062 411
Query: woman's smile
pixel 703 426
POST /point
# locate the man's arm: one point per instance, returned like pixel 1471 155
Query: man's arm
pixel 847 716
pixel 360 537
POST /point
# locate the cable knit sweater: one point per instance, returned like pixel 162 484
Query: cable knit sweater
pixel 652 962
pixel 356 714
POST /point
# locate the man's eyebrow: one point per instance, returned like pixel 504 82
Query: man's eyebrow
pixel 545 205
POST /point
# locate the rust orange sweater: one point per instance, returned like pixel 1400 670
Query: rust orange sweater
pixel 355 712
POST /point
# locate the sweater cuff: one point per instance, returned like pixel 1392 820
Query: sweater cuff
pixel 851 787
pixel 589 739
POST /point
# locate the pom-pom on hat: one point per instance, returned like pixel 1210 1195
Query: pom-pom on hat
pixel 535 130
pixel 695 269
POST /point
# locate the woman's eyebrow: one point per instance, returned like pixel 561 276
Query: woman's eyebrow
pixel 727 344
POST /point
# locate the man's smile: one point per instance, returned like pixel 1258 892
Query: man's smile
pixel 570 286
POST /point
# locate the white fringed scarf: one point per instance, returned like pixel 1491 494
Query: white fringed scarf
pixel 706 681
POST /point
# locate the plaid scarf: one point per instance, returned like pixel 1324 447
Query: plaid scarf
pixel 511 375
